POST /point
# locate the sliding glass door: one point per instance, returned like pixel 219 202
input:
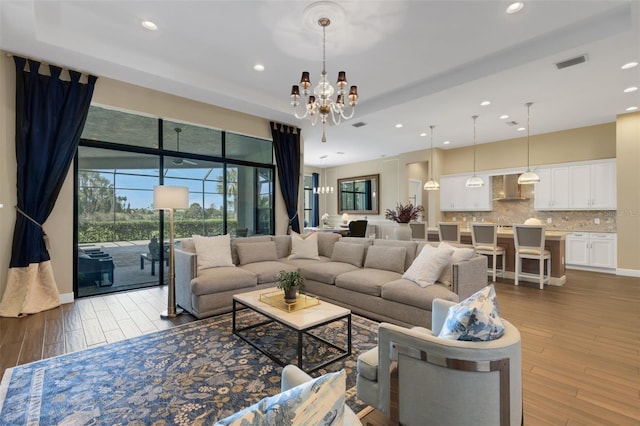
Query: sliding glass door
pixel 121 239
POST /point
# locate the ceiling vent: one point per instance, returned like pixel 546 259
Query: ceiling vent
pixel 359 124
pixel 571 62
pixel 511 123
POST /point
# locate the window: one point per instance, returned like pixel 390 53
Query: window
pixel 122 156
pixel 308 201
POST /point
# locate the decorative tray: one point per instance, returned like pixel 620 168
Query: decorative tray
pixel 276 299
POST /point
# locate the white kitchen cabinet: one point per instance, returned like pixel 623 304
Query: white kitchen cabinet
pixel 552 192
pixel 593 186
pixel 455 196
pixel 590 250
pixel 583 186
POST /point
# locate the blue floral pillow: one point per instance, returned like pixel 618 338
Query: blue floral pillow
pixel 316 402
pixel 477 318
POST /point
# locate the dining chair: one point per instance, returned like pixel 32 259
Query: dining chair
pixel 529 244
pixel 449 232
pixel 484 237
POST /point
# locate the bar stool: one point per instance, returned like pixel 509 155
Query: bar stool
pixel 449 232
pixel 484 237
pixel 529 242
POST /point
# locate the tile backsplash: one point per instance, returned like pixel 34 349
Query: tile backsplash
pixel 517 211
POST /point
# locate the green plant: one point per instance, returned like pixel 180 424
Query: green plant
pixel 290 279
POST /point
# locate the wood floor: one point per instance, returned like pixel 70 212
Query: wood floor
pixel 580 342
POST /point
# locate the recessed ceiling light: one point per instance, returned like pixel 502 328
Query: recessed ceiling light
pixel 504 117
pixel 446 142
pixel 630 89
pixel 629 65
pixel 521 129
pixel 423 134
pixel 339 152
pixel 151 26
pixel 322 157
pixel 258 67
pixel 485 103
pixel 398 125
pixel 515 7
pixel 632 108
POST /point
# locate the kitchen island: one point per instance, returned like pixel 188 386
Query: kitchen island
pixel 554 242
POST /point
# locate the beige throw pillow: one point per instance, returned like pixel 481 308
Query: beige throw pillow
pixel 213 252
pixel 428 265
pixel 256 252
pixel 304 246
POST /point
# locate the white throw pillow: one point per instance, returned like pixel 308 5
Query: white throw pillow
pixel 476 318
pixel 459 254
pixel 213 252
pixel 428 265
pixel 317 402
pixel 304 246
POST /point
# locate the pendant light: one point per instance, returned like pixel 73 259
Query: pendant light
pixel 431 185
pixel 528 177
pixel 474 181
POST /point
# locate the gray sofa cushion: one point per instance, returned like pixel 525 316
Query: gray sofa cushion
pixel 266 271
pixel 348 253
pixel 283 245
pixel 216 280
pixel 326 242
pixel 326 272
pixel 299 263
pixel 245 240
pixel 256 252
pixel 408 293
pixel 386 258
pixel 366 281
pixel 410 246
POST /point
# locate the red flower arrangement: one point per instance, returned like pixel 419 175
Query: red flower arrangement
pixel 404 214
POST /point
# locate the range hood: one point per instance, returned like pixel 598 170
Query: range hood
pixel 510 190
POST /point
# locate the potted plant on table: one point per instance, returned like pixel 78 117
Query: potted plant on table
pixel 291 282
pixel 403 215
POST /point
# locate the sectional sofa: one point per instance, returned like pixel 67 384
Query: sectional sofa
pixel 362 274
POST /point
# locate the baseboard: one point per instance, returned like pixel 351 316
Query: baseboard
pixel 66 298
pixel 592 269
pixel 628 272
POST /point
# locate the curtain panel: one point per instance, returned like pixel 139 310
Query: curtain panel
pixel 50 116
pixel 286 146
pixel 315 200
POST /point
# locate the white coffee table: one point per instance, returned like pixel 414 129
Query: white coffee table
pixel 302 321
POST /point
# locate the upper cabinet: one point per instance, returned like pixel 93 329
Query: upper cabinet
pixel 455 196
pixel 584 186
pixel 552 192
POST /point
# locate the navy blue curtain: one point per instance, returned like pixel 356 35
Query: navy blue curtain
pixel 286 145
pixel 50 116
pixel 315 200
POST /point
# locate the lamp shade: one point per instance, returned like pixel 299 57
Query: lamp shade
pixel 170 197
pixel 528 177
pixel 474 182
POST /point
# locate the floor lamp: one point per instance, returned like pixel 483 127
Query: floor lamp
pixel 170 198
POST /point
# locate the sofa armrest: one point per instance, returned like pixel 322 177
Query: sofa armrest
pixel 186 269
pixel 469 276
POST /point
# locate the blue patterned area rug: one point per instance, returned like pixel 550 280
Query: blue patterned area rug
pixel 193 374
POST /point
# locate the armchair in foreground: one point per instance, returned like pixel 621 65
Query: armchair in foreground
pixel 417 378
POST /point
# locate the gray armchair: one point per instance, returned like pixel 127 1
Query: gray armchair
pixel 416 378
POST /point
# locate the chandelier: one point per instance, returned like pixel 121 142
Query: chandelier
pixel 321 103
